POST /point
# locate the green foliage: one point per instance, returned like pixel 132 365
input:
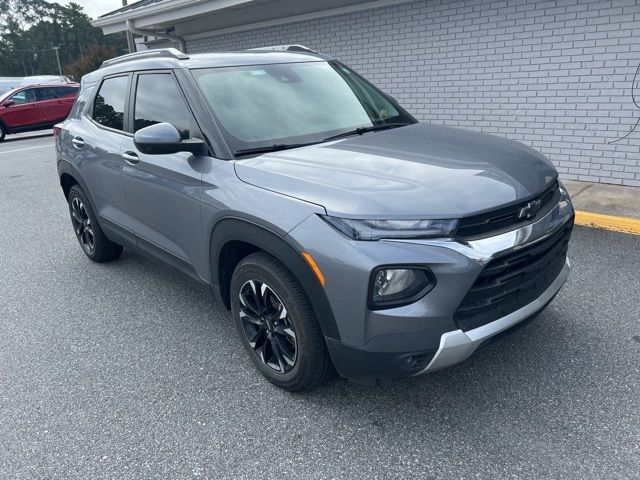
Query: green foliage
pixel 29 28
pixel 91 60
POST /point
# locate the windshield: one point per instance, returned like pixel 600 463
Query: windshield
pixel 293 103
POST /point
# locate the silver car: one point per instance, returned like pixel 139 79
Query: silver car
pixel 341 233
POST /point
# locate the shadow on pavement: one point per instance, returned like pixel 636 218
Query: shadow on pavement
pixel 11 138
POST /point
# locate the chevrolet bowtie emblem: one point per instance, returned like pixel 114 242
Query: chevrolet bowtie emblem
pixel 530 210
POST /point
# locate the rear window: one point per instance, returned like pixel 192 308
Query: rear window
pixel 47 93
pixel 65 91
pixel 108 106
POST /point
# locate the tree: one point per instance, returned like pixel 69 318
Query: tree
pixel 30 28
pixel 91 60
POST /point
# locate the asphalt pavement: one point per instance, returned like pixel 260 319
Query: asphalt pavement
pixel 125 371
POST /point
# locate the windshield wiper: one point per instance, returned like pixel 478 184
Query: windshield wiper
pixel 361 130
pixel 287 146
pixel 270 148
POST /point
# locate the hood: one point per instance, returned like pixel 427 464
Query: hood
pixel 420 171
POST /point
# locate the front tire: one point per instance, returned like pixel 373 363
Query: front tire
pixel 277 325
pixel 92 239
pixel 2 133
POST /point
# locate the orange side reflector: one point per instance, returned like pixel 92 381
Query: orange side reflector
pixel 314 267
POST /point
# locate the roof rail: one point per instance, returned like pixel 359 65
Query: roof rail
pixel 283 48
pixel 157 53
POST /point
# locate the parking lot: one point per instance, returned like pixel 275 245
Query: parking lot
pixel 124 370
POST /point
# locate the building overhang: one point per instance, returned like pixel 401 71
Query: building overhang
pixel 194 18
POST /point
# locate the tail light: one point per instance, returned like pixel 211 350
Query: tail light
pixel 56 130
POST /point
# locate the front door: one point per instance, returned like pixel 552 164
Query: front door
pixel 163 191
pixel 25 111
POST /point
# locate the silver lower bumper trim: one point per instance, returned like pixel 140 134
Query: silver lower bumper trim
pixel 457 345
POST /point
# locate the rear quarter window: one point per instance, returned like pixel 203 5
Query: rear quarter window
pixel 80 105
pixel 109 104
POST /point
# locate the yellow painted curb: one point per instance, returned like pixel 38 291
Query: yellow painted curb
pixel 608 222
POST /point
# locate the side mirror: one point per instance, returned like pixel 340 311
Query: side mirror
pixel 164 138
pixel 9 103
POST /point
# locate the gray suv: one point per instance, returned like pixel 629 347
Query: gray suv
pixel 340 232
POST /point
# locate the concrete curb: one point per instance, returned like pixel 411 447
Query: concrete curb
pixel 608 222
pixel 610 207
pixel 615 200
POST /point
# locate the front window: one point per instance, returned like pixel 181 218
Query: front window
pixel 24 96
pixel 172 109
pixel 293 103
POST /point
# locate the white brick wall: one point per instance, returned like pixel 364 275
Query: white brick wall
pixel 553 74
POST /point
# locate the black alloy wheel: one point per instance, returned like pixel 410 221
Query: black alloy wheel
pixel 267 326
pixel 91 238
pixel 82 225
pixel 277 324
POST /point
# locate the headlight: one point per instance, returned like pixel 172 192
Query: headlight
pixel 564 193
pixel 377 229
pixel 394 286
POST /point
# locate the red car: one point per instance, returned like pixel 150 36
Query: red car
pixel 35 107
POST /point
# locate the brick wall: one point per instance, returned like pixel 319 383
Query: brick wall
pixel 556 75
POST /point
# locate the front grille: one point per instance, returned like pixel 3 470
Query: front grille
pixel 511 281
pixel 507 218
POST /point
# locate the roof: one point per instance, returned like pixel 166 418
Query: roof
pixel 48 84
pixel 147 61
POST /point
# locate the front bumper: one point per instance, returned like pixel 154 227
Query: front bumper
pixel 422 336
pixel 457 346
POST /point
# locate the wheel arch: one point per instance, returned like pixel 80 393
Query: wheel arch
pixel 70 176
pixel 233 238
pixel 66 182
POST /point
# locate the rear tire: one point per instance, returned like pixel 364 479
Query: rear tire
pixel 277 326
pixel 92 239
pixel 2 133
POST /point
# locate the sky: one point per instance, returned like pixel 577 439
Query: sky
pixel 95 8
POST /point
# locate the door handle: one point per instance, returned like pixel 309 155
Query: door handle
pixel 78 142
pixel 131 157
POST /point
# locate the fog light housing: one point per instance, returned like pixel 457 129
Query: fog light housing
pixel 397 285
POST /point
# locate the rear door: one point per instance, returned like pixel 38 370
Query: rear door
pixel 25 112
pixel 96 146
pixel 163 191
pixel 56 102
